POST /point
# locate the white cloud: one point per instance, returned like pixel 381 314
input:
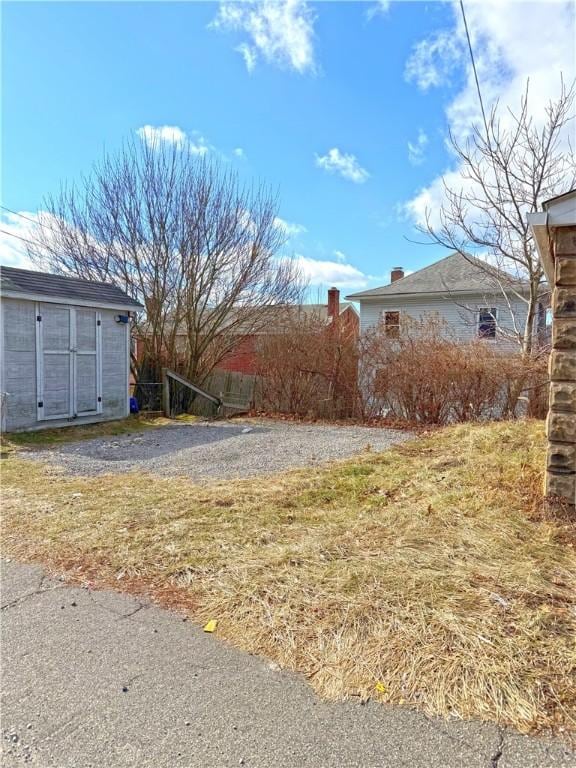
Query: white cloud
pixel 196 144
pixel 346 165
pixel 154 135
pixel 281 32
pixel 19 229
pixel 416 149
pixel 379 8
pixel 512 42
pixel 340 257
pixel 433 60
pixel 22 229
pixel 239 152
pixel 318 272
pixel 249 55
pixel 505 59
pixel 428 200
pixel 289 228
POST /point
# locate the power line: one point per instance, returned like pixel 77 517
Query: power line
pixel 27 218
pixel 17 213
pixel 474 67
pixel 24 240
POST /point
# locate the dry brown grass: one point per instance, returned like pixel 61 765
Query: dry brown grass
pixel 429 575
pixel 46 437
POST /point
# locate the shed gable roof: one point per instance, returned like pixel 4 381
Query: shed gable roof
pixel 453 274
pixel 21 282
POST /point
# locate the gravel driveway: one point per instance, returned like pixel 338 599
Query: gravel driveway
pixel 218 450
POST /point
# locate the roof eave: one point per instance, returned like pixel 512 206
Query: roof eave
pixel 129 305
pixel 540 229
pixel 447 293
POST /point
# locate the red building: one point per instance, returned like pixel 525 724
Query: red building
pixel 244 358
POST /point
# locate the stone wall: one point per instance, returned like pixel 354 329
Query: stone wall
pixel 561 424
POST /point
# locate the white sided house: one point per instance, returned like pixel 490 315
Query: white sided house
pixel 65 350
pixel 462 292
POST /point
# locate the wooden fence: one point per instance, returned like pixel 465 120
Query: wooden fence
pixel 224 393
pixel 237 391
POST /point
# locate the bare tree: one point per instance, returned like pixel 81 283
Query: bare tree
pixel 507 169
pixel 182 235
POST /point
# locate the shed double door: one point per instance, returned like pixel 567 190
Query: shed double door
pixel 68 361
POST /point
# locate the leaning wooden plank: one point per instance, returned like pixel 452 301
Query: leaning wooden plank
pixel 165 393
pixel 176 376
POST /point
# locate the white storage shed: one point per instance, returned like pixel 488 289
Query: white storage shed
pixel 65 350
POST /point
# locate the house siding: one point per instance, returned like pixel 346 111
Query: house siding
pixel 18 369
pixel 455 311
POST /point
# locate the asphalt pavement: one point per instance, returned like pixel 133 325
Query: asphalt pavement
pixel 95 679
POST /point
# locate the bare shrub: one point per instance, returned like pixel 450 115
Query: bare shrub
pixel 527 381
pixel 308 367
pixel 427 376
pixel 407 375
pixel 424 375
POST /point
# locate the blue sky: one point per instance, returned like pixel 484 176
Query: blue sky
pixel 342 107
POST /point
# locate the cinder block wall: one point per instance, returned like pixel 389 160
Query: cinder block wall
pixel 561 424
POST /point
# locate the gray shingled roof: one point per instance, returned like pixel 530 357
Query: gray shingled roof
pixel 321 310
pixel 453 274
pixel 25 281
pixel 274 319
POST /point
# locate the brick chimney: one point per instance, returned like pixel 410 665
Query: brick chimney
pixel 396 274
pixel 333 303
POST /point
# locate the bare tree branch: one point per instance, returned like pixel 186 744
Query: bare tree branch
pixel 507 171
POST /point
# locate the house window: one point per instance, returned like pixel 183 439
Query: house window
pixel 487 322
pixel 392 325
